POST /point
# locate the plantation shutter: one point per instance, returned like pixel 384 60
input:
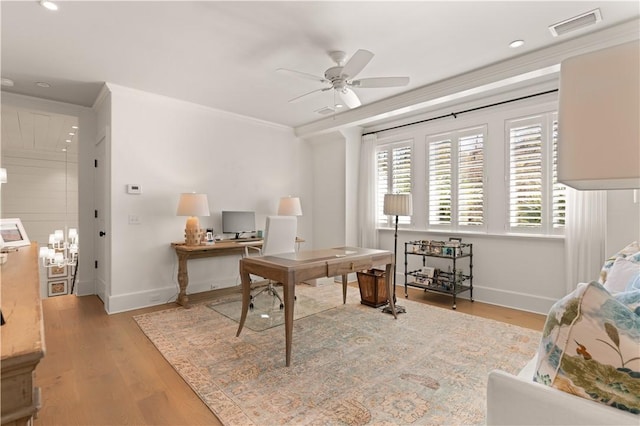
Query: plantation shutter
pixel 471 180
pixel 401 175
pixel 525 182
pixel 394 177
pixel 382 167
pixel 559 190
pixel 440 178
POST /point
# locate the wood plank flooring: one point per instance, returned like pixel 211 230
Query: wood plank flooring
pixel 101 369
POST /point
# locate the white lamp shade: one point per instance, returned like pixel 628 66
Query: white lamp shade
pixel 398 205
pixel 44 252
pixel 73 233
pixel 598 119
pixel 192 204
pixel 289 206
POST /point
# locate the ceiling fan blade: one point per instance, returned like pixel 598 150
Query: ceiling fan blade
pixel 303 75
pixel 358 61
pixel 381 82
pixel 349 97
pixel 297 98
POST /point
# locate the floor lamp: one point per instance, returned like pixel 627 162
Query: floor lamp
pixel 396 205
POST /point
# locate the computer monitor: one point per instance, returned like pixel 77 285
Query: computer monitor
pixel 238 222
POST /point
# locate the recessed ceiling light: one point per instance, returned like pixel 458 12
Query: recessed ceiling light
pixel 7 82
pixel 339 105
pixel 71 133
pixel 64 149
pixel 48 4
pixel 68 141
pixel 74 127
pixel 42 84
pixel 516 43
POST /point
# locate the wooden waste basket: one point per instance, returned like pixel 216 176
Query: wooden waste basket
pixel 373 288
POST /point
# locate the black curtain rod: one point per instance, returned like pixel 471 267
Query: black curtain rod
pixel 455 114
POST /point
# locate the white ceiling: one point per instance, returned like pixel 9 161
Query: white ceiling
pixel 28 130
pixel 225 54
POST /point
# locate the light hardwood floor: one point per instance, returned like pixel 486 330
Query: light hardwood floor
pixel 101 369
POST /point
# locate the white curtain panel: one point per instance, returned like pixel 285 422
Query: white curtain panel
pixel 367 234
pixel 585 236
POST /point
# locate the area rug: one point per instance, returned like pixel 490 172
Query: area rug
pixel 351 365
pixel 266 312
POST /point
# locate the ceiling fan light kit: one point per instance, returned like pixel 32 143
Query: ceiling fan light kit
pixel 341 77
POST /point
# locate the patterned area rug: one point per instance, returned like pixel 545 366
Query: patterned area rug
pixel 351 365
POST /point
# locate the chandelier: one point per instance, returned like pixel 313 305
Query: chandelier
pixel 60 251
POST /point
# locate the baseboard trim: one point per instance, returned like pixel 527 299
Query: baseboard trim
pixel 511 299
pixel 159 296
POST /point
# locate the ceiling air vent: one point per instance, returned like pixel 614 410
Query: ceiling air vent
pixel 577 22
pixel 325 110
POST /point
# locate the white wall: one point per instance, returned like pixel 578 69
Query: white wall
pixel 329 192
pixel 167 147
pixel 353 139
pixel 623 219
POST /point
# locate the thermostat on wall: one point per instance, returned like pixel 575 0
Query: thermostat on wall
pixel 134 189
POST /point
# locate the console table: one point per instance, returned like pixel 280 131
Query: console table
pixel 290 269
pixel 22 335
pixel 220 248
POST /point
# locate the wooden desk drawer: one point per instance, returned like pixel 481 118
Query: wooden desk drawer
pixel 343 267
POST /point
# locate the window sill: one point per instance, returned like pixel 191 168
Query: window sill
pixel 475 234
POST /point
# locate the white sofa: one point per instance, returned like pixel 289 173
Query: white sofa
pixel 518 400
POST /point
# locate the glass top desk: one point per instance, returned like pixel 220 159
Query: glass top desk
pixel 290 269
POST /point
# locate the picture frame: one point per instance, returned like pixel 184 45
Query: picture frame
pixel 57 287
pixel 12 233
pixel 57 271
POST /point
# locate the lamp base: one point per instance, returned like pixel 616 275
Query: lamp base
pixel 399 309
pixel 193 237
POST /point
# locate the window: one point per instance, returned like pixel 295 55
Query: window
pixel 536 199
pixel 393 165
pixel 455 163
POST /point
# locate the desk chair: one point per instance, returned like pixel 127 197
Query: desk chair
pixel 279 238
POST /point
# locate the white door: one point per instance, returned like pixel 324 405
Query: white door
pixel 101 238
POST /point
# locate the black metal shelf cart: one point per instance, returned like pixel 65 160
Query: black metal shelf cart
pixel 452 282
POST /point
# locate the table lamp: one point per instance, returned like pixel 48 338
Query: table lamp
pixel 289 206
pixel 193 205
pixel 396 205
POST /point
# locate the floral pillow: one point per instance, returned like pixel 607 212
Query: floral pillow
pixel 590 347
pixel 630 250
pixel 623 273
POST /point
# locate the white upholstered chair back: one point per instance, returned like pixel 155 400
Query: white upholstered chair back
pixel 280 235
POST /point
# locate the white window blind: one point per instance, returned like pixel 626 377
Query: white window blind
pixel 536 199
pixel 559 190
pixel 525 182
pixel 382 167
pixel 440 170
pixel 393 177
pixel 471 180
pixel 456 179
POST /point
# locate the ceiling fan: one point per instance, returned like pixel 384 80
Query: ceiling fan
pixel 341 77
